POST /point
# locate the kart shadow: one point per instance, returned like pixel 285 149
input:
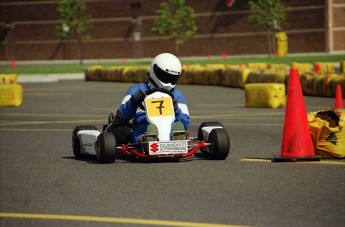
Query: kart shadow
pixel 91 159
pixel 88 158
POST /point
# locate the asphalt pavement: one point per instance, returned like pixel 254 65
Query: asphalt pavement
pixel 42 184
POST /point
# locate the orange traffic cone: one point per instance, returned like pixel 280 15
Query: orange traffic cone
pixel 339 102
pixel 318 68
pixel 13 63
pixel 297 144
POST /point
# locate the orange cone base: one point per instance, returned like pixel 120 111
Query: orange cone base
pixel 277 158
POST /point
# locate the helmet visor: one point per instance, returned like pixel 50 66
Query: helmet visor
pixel 164 76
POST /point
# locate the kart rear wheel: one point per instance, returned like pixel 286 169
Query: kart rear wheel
pixel 207 124
pixel 219 147
pixel 76 141
pixel 201 136
pixel 107 148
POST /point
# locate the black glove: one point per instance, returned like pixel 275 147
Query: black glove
pixel 112 116
pixel 175 103
pixel 138 97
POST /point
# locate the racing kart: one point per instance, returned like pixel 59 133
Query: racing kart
pixel 211 139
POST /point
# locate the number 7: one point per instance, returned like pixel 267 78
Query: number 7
pixel 160 106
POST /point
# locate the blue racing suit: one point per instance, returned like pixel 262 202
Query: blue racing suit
pixel 128 111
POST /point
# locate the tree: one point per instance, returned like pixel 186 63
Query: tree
pixel 270 15
pixel 176 20
pixel 73 23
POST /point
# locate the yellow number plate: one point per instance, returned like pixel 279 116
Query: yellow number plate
pixel 158 107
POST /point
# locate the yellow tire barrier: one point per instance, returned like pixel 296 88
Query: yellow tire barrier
pixel 257 66
pixel 8 79
pixel 11 95
pixel 302 67
pixel 232 75
pixel 282 43
pixel 270 95
pixel 278 67
pixel 324 68
pixel 342 66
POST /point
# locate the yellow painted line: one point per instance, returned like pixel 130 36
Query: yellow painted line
pixel 321 162
pixel 256 159
pixel 111 220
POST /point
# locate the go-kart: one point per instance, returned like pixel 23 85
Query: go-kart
pixel 211 139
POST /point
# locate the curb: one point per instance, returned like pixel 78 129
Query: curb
pixel 48 78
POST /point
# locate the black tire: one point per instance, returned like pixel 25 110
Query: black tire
pixel 76 141
pixel 206 124
pixel 219 147
pixel 107 148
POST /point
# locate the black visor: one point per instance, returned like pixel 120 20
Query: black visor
pixel 165 76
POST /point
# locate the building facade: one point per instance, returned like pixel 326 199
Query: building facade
pixel 122 29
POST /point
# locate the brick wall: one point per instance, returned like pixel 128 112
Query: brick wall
pixel 220 29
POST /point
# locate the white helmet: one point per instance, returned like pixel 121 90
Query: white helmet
pixel 165 70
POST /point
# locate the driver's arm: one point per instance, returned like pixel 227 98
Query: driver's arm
pixel 130 103
pixel 182 113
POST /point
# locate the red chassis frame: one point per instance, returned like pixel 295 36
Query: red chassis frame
pixel 124 149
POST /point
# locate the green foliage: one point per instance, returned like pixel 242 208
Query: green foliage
pixel 73 24
pixel 270 15
pixel 176 20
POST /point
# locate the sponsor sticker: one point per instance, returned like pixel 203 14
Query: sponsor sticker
pixel 168 147
pixel 159 107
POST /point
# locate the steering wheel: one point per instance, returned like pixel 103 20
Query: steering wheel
pixel 163 90
pixel 158 89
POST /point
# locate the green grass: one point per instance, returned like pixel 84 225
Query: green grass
pixel 77 68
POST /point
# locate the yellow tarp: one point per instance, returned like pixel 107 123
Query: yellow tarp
pixel 328 133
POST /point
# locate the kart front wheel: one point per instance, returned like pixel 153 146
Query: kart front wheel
pixel 107 147
pixel 219 147
pixel 76 141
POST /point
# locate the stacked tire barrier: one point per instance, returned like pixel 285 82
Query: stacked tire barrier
pixel 282 43
pixel 317 79
pixel 270 95
pixel 11 93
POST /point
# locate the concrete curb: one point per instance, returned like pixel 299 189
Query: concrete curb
pixel 48 78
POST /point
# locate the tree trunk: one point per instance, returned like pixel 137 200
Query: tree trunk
pixel 269 38
pixel 80 50
pixel 177 47
pixel 274 44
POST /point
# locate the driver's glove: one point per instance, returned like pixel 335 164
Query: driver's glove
pixel 138 98
pixel 175 103
pixel 112 116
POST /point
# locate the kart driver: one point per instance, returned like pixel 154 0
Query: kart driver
pixel 165 71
